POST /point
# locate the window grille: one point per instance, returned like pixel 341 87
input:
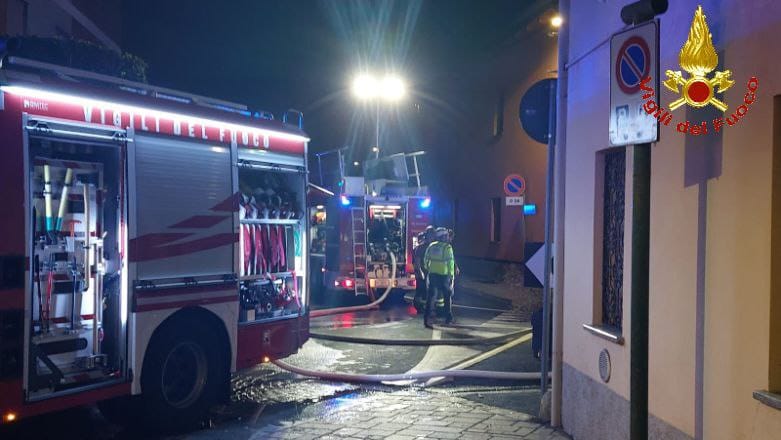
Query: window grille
pixel 496 219
pixel 613 238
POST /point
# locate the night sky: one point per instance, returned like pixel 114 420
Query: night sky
pixel 275 55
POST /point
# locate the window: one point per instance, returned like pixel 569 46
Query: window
pixel 612 246
pixel 496 219
pixel 497 120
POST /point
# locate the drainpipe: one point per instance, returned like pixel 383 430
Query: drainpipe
pixel 558 225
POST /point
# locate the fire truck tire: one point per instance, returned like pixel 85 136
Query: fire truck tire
pixel 183 376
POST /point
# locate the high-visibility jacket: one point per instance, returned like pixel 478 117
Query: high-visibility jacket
pixel 439 259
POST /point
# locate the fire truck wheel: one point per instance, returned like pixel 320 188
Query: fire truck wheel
pixel 183 376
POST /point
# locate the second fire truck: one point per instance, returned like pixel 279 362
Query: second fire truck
pixel 362 224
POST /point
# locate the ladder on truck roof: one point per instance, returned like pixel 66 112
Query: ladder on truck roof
pixel 407 168
pixel 334 172
pixel 414 169
pixel 358 222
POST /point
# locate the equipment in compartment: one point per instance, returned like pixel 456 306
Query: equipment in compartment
pixel 271 218
pixel 66 248
pixel 68 265
pixel 269 298
pixel 386 232
pixel 318 229
pixel 270 214
pixel 266 247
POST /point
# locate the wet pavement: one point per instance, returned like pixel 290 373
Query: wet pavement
pixel 268 402
pixel 393 415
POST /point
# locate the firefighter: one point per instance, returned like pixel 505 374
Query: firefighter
pixel 439 264
pixel 451 236
pixel 424 239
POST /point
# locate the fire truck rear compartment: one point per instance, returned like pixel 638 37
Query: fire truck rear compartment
pixel 74 312
pixel 387 233
pixel 272 229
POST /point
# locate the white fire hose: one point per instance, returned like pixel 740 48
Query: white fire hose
pixel 370 306
pixel 419 375
pixel 412 342
pixel 492 340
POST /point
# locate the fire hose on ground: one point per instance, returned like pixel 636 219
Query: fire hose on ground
pixel 370 306
pixel 419 375
pixel 423 342
pixel 411 342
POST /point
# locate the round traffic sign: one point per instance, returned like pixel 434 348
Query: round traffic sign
pixel 534 110
pixel 633 64
pixel 514 185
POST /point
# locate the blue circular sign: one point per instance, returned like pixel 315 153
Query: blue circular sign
pixel 633 63
pixel 514 185
pixel 534 110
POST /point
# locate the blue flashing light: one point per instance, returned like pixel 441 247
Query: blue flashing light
pixel 529 209
pixel 345 201
pixel 425 203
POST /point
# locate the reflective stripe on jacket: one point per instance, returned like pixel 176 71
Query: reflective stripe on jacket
pixel 439 259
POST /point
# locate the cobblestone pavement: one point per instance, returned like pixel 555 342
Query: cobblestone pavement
pixel 400 415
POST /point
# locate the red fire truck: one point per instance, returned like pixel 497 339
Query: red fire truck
pixel 364 223
pixel 153 242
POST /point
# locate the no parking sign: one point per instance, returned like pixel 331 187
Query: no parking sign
pixel 634 56
pixel 514 188
pixel 632 64
pixel 514 185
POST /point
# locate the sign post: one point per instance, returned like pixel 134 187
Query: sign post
pixel 538 118
pixel 634 56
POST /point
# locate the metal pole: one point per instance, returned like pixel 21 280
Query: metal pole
pixel 638 352
pixel 320 170
pixel 557 311
pixel 546 299
pixel 377 132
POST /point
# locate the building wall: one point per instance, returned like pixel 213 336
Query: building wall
pixel 709 335
pixel 3 16
pixel 106 14
pixel 37 17
pixel 475 166
pixel 45 18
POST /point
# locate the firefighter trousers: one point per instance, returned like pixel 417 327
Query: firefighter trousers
pixel 421 291
pixel 439 284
